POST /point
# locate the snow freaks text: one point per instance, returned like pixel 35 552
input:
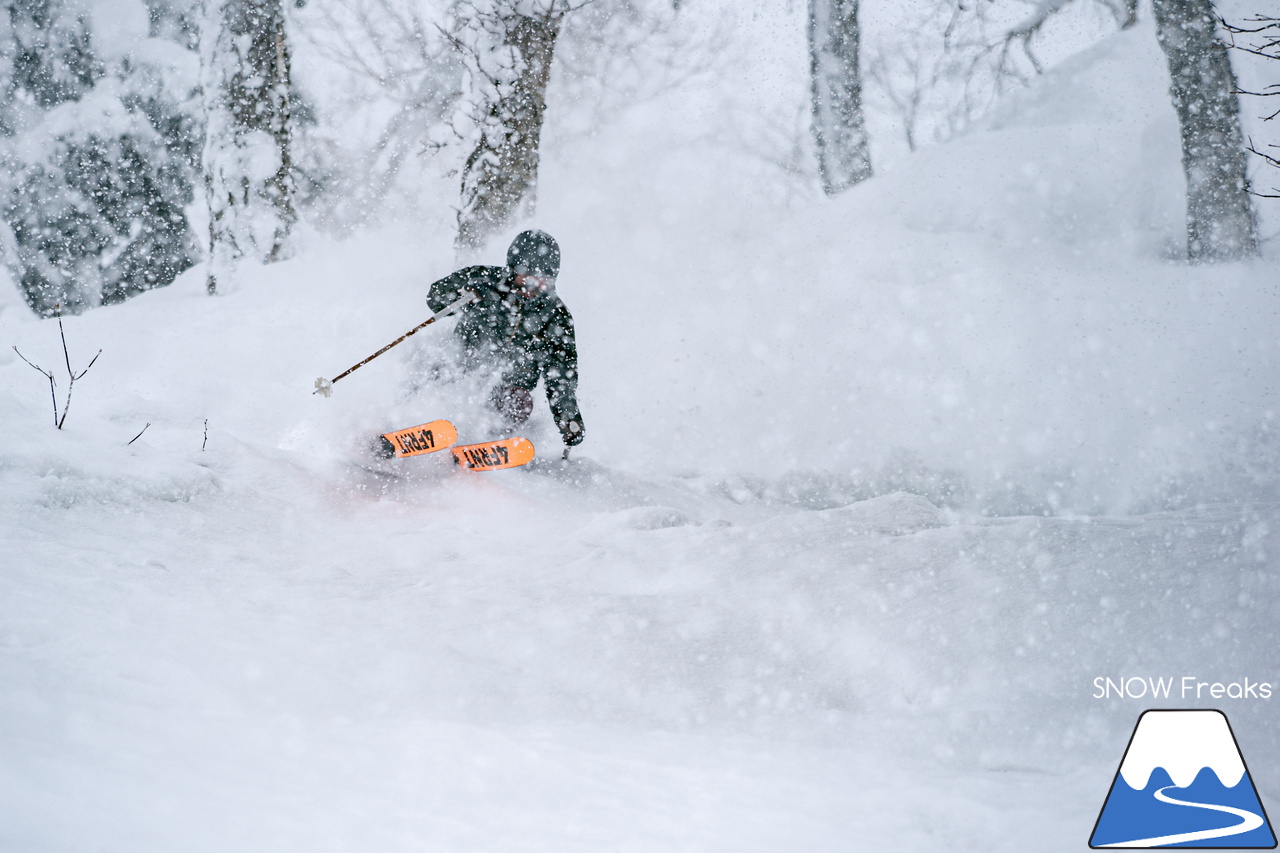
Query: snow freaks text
pixel 1186 687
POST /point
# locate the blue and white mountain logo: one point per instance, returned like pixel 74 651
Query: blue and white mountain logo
pixel 1183 783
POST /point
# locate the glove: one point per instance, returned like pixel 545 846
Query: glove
pixel 572 431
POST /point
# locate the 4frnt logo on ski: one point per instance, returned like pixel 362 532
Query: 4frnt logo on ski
pixel 492 455
pixel 417 440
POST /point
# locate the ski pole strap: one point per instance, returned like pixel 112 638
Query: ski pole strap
pixel 468 296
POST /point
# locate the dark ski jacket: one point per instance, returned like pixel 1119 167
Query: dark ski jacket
pixel 531 338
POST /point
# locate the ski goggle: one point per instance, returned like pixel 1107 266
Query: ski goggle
pixel 532 285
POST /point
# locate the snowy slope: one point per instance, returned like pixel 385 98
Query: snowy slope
pixel 872 492
pixel 1002 307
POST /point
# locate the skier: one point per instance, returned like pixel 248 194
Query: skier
pixel 521 329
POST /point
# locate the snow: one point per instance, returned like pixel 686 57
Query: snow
pixel 873 489
pixel 118 26
pixel 100 110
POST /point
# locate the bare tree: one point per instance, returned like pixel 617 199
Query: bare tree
pixel 839 131
pixel 406 80
pixel 1220 219
pixel 614 55
pixel 905 73
pixel 944 68
pixel 248 159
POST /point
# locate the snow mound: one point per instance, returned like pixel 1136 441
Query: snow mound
pixel 654 518
pixel 897 514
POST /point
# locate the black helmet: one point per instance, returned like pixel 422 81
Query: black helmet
pixel 534 253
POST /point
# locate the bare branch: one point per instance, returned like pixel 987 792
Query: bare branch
pixel 86 370
pixel 65 354
pixel 36 366
pixel 52 393
pixel 1030 28
pixel 1254 51
pixel 139 435
pixel 1267 48
pixel 1272 160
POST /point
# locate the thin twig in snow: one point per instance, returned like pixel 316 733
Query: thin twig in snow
pixel 139 435
pixel 52 394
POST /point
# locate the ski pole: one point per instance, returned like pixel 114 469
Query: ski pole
pixel 324 387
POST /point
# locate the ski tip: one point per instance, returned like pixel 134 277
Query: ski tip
pixel 417 440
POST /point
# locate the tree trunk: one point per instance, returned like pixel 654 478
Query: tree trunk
pixel 1220 219
pixel 500 176
pixel 839 131
pixel 248 160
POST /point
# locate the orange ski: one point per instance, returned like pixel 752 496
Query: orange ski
pixel 492 455
pixel 417 440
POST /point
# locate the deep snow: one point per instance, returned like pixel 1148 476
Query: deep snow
pixel 873 489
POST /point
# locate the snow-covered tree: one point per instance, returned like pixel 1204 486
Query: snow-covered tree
pixel 839 131
pixel 507 47
pixel 1220 218
pixel 248 157
pixel 176 21
pixel 97 157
